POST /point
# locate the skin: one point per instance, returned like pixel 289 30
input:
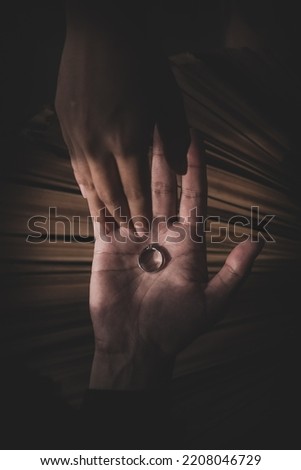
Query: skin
pixel 113 86
pixel 141 320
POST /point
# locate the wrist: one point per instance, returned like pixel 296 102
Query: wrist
pixel 129 372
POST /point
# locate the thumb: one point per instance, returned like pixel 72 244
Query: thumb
pixel 235 270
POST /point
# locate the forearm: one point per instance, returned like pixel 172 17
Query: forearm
pixel 123 390
pixel 128 420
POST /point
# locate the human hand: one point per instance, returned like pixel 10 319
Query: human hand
pixel 141 320
pixel 113 86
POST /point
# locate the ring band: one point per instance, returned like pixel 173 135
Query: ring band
pixel 152 258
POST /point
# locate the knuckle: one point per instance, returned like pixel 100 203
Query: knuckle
pixel 129 144
pixel 125 150
pixel 89 140
pixel 158 152
pixel 84 181
pixel 159 187
pixel 188 193
pixel 112 201
pixel 115 142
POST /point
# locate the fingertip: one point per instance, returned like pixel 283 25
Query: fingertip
pixel 243 255
pixel 253 247
pixel 256 246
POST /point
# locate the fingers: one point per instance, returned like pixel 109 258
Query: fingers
pixel 84 180
pixel 121 186
pixel 96 206
pixel 108 186
pixel 235 270
pixel 164 184
pixel 135 178
pixel 194 184
pixel 82 173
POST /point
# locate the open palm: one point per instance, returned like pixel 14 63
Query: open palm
pixel 143 319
